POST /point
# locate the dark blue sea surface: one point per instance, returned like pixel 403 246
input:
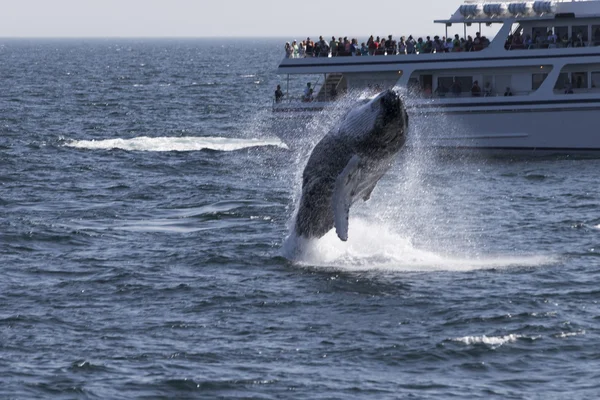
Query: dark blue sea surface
pixel 145 204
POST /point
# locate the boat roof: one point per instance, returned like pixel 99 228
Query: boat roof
pixel 490 12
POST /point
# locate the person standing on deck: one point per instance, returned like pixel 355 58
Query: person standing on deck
pixel 333 45
pixel 278 94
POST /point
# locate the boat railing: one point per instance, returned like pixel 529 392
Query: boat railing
pixel 474 47
pixel 298 104
pixel 468 94
pixel 558 45
pixel 577 91
pixel 509 46
pixel 387 52
pixel 384 53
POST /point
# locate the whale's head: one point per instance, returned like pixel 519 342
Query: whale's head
pixel 382 121
pixel 392 120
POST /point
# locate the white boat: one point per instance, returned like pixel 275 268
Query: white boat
pixel 538 78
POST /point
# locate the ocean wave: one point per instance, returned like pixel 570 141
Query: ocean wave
pixel 188 143
pixel 492 341
pixel 563 335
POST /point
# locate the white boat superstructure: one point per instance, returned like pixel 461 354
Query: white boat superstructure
pixel 534 86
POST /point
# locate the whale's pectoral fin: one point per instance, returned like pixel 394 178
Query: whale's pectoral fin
pixel 367 193
pixel 346 186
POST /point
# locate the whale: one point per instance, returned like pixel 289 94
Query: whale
pixel 346 164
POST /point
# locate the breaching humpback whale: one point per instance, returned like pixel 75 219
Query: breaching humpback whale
pixel 347 164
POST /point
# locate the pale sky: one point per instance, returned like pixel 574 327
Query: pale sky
pixel 199 18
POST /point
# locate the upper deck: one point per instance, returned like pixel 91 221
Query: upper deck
pixel 474 11
pixel 528 31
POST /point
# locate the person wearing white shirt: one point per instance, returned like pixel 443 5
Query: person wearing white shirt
pixel 551 39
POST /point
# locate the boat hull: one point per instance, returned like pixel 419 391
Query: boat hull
pixel 533 128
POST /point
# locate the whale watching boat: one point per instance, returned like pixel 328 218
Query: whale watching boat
pixel 534 87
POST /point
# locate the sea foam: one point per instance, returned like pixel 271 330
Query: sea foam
pixel 186 143
pixel 375 246
pixel 492 341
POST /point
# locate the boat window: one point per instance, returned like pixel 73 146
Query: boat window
pixel 539 37
pixel 539 31
pixel 537 80
pixel 580 34
pixel 502 82
pixel 516 28
pixel 487 86
pixel 455 85
pixel 426 83
pixel 562 34
pixel 443 85
pixel 579 80
pixel 523 31
pixel 596 35
pixel 561 82
pixel 595 79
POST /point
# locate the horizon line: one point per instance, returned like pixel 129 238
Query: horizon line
pixel 193 37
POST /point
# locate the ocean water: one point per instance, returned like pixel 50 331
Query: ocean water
pixel 145 204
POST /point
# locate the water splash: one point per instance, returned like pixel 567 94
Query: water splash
pixel 189 143
pixel 376 246
pixel 413 203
